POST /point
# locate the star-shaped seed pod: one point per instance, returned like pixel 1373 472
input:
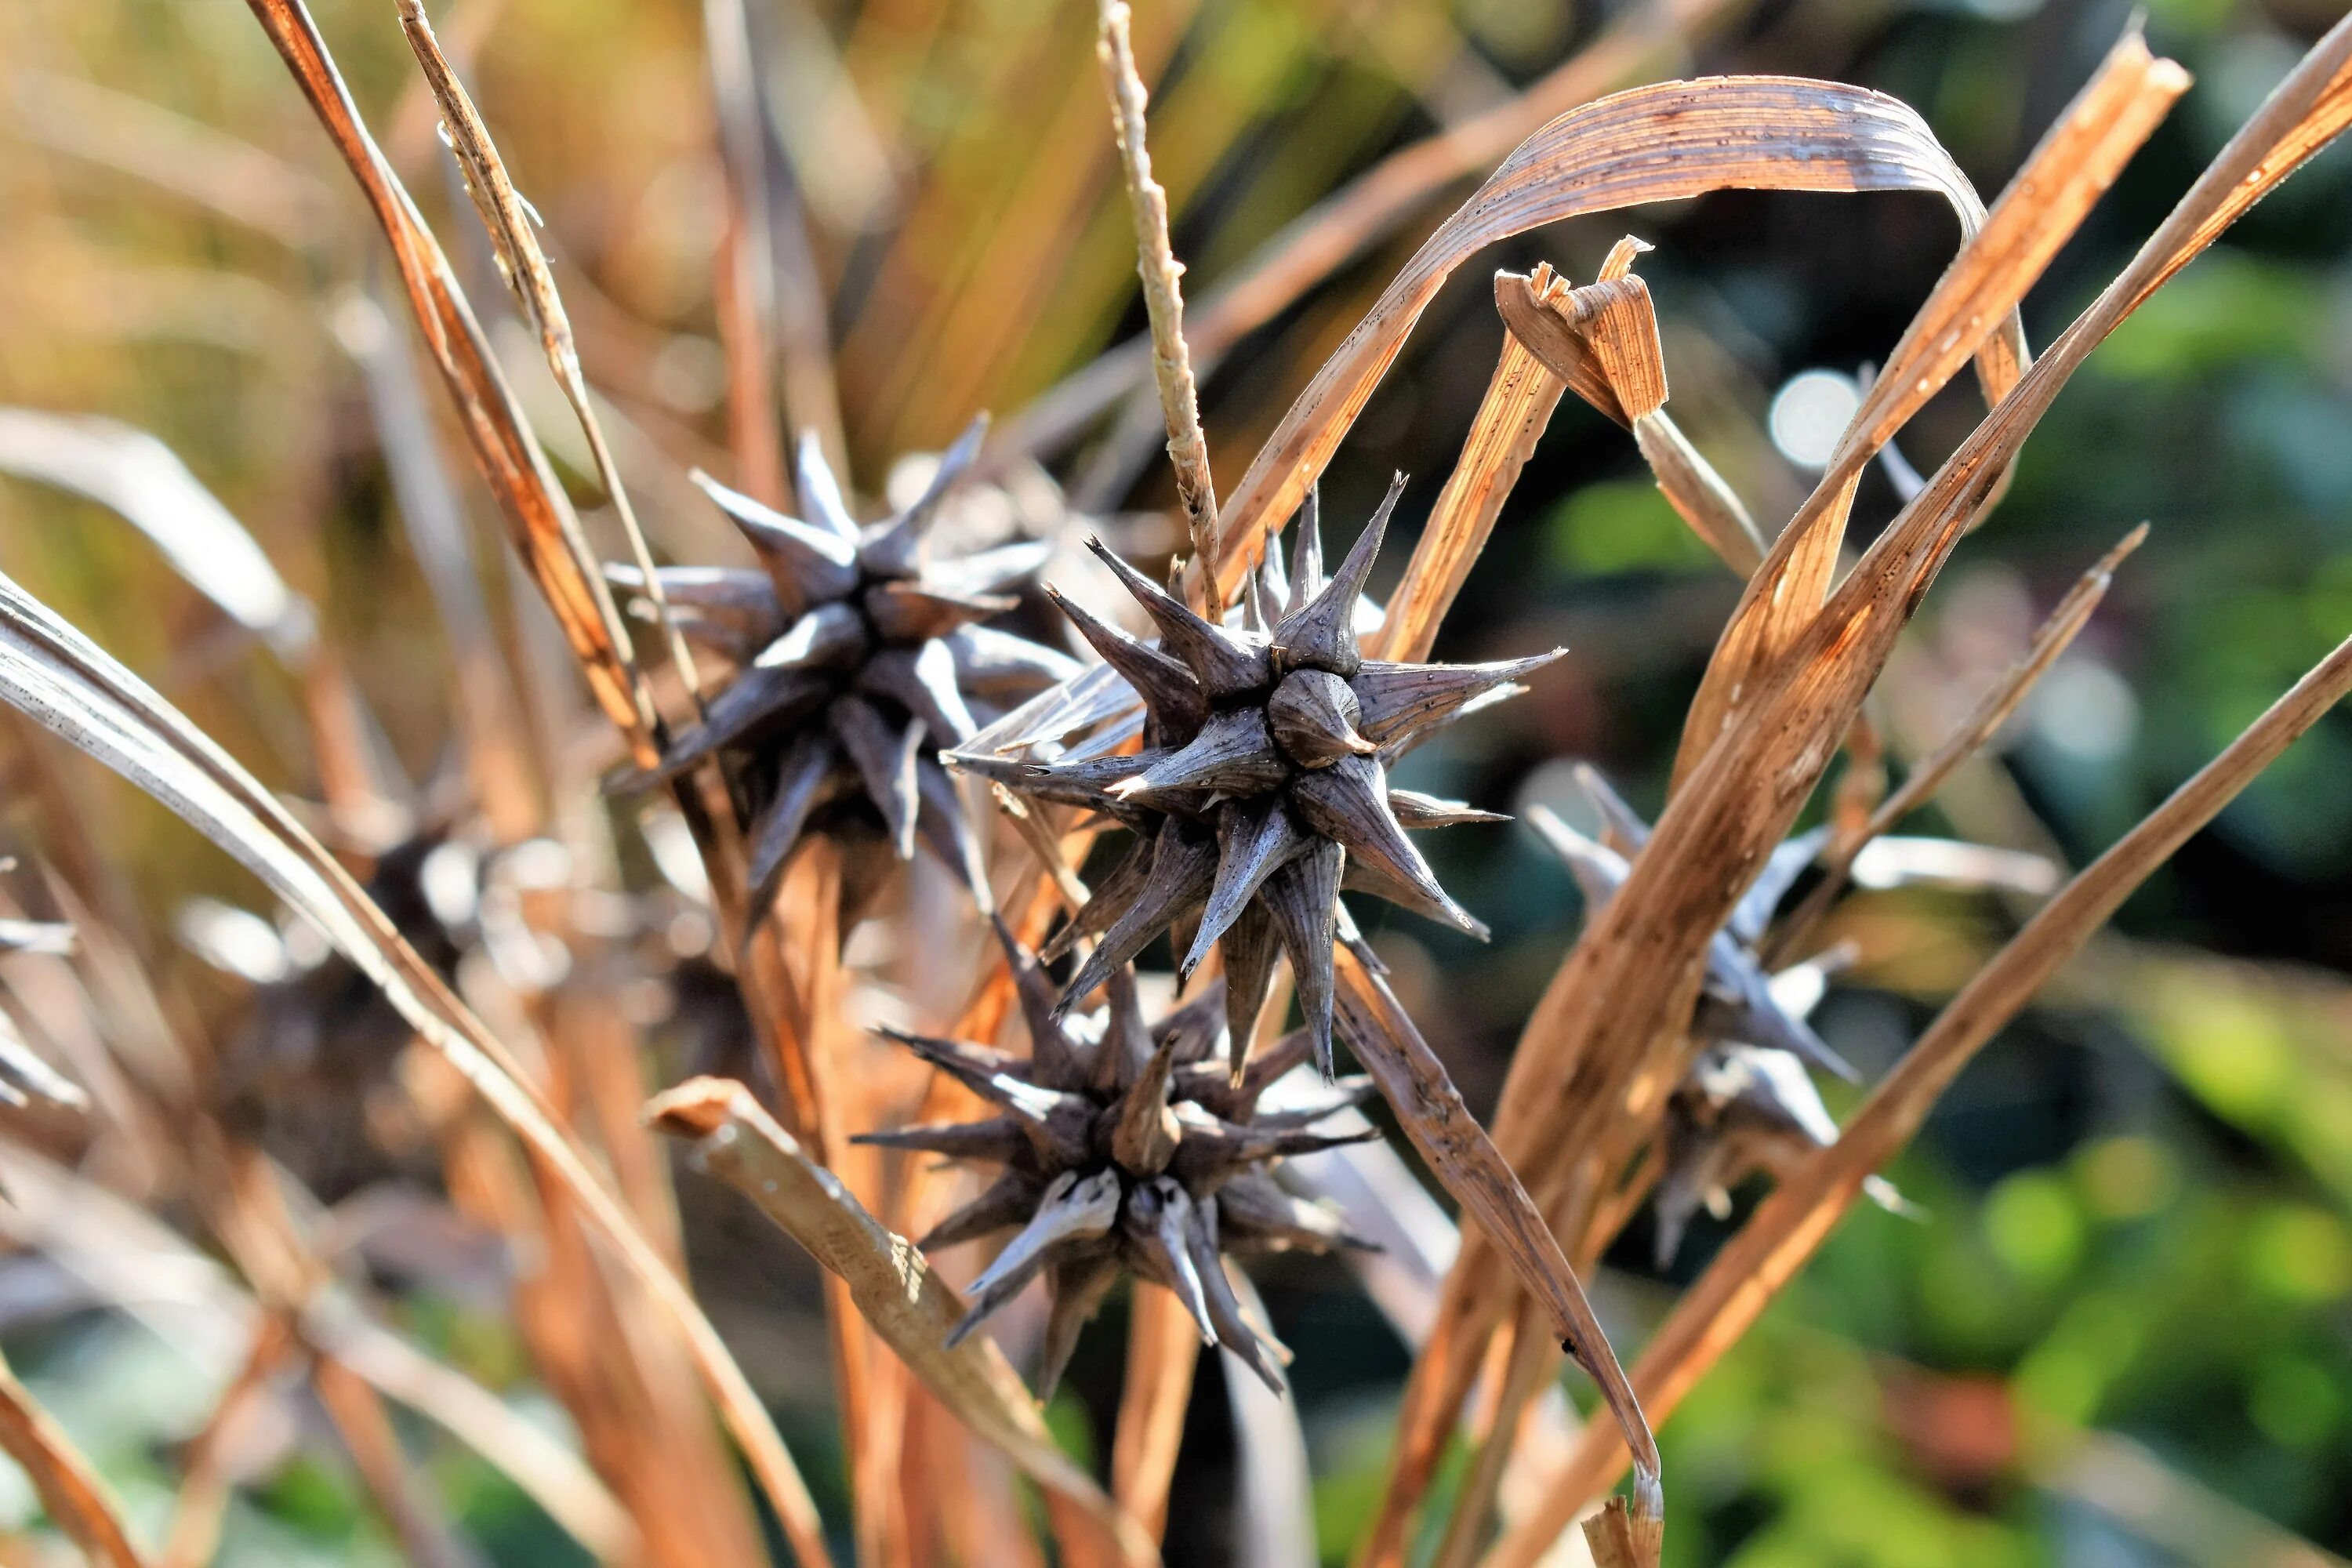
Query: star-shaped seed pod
pixel 1261 787
pixel 1124 1148
pixel 1747 1104
pixel 859 654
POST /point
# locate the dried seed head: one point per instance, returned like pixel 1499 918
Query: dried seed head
pixel 1262 780
pixel 1747 1104
pixel 861 655
pixel 1124 1148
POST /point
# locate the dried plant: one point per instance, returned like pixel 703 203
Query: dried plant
pixel 493 941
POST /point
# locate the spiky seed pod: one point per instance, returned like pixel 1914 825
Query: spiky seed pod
pixel 1261 789
pixel 860 655
pixel 1125 1149
pixel 1747 1104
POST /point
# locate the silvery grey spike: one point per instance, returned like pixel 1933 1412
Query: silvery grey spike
pixel 1415 811
pixel 1256 839
pixel 1250 946
pixel 1738 1003
pixel 1127 1047
pixel 1144 1132
pixel 1078 1287
pixel 1414 740
pixel 909 612
pixel 1352 1091
pixel 726 636
pixel 1233 754
pixel 940 819
pixel 1321 633
pixel 1306 555
pixel 827 636
pixel 804 777
pixel 1313 716
pixel 997 665
pixel 1400 699
pixel 1348 802
pixel 1156 1219
pixel 820 492
pixel 1621 821
pixel 1225 666
pixel 885 760
pixel 1300 896
pixel 1183 864
pixel 733 590
pixel 1362 876
pixel 1074 1208
pixel 1234 1330
pixel 1008 1201
pixel 894 547
pixel 922 681
pixel 807 566
pixel 1198 1026
pixel 1786 862
pixel 1051 1058
pixel 1253 1209
pixel 1170 693
pixel 1269 586
pixel 1893 860
pixel 755 701
pixel 990 569
pixel 1112 897
pixel 998 1139
pixel 1799 988
pixel 1598 870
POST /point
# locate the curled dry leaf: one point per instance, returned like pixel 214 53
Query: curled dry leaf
pixel 71 687
pixel 2074 165
pixel 1650 144
pixel 906 1304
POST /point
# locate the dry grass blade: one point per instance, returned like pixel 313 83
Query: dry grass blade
pixel 2054 636
pixel 1457 1148
pixel 1650 144
pixel 73 689
pixel 76 1500
pixel 2074 165
pixel 514 242
pixel 906 1304
pixel 1163 295
pixel 1511 417
pixel 1618 1540
pixel 1811 1198
pixel 540 518
pixel 132 473
pixel 196 1513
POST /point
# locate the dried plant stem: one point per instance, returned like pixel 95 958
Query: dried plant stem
pixel 195 1533
pixel 1431 1110
pixel 1163 1348
pixel 365 1426
pixel 71 1491
pixel 522 263
pixel 1163 302
pixel 1511 417
pixel 1919 786
pixel 541 522
pixel 1809 1200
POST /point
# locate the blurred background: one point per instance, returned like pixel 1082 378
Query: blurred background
pixel 2120 1329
